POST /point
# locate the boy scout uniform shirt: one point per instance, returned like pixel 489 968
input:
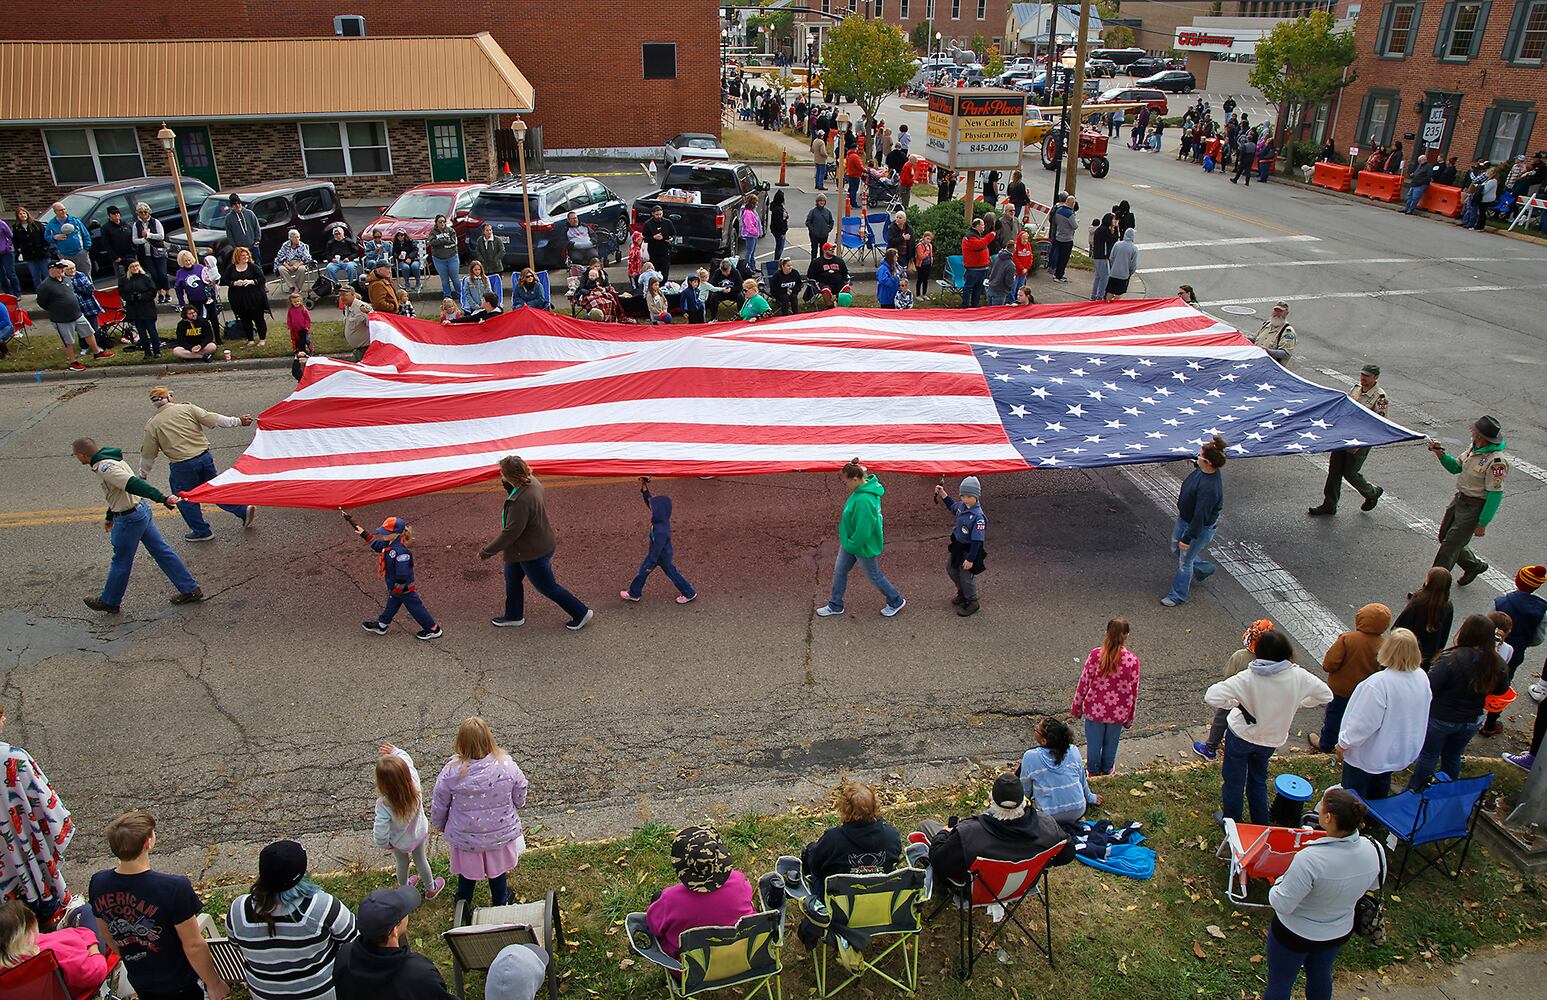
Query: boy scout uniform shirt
pixel 1481 473
pixel 177 431
pixel 115 475
pixel 397 565
pixel 971 524
pixel 1375 400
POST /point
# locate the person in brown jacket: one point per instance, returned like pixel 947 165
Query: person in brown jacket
pixel 383 294
pixel 526 541
pixel 1350 660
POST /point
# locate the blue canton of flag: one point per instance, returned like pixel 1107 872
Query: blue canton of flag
pixel 1067 409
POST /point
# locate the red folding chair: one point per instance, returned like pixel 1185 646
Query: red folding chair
pixel 112 318
pixel 1262 852
pixel 19 317
pixel 39 978
pixel 1000 887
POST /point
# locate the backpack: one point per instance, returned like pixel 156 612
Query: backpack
pixel 1370 909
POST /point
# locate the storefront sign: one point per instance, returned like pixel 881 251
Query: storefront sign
pixel 974 128
pixel 1194 39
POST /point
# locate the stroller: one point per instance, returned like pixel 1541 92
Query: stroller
pixel 883 194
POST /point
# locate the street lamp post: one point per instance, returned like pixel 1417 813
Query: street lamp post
pixel 810 54
pixel 519 128
pixel 168 140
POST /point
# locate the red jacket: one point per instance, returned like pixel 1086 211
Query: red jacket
pixel 975 249
pixel 1025 256
pixel 853 166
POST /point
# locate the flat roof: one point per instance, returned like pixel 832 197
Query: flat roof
pixel 258 78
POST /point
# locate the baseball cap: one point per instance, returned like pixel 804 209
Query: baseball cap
pixel 1009 793
pixel 516 973
pixel 55 263
pixel 384 909
pixel 235 199
pixel 1281 304
pixel 392 526
pixel 827 246
pixel 1370 369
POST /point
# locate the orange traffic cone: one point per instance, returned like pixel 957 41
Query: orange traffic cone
pixel 784 159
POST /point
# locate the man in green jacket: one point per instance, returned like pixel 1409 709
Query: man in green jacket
pixel 860 541
pixel 1479 490
pixel 129 525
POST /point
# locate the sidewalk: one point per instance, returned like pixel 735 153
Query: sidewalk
pixel 1358 199
pixel 1500 972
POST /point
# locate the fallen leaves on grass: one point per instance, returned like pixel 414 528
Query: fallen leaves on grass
pixel 1197 949
pixel 1214 931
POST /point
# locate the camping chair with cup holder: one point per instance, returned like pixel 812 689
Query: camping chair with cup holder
pixel 714 958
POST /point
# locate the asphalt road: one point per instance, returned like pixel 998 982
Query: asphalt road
pixel 256 715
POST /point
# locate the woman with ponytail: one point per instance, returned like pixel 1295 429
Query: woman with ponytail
pixel 1106 696
pixel 1197 518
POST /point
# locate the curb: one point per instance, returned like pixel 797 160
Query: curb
pixel 158 370
pixel 1356 199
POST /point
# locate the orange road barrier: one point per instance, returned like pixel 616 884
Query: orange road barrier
pixel 1381 187
pixel 1441 198
pixel 1332 176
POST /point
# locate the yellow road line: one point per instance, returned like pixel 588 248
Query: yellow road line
pixel 1220 211
pixel 88 515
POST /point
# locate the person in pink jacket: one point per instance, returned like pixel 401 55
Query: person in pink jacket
pixel 1106 696
pixel 76 949
pixel 751 229
pixel 474 805
pixel 712 892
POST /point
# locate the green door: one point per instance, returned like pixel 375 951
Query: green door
pixel 448 162
pixel 195 155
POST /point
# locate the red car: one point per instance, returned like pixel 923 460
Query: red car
pixel 415 210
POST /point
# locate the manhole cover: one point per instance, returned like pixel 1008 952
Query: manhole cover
pixel 1238 310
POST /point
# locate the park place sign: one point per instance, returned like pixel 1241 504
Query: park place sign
pixel 975 128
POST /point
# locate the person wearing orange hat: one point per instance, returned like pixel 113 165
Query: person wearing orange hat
pixel 1528 626
pixel 391 543
pixel 1209 749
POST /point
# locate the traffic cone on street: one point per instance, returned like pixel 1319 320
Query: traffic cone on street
pixel 784 159
pixel 505 168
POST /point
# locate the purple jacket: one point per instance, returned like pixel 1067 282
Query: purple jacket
pixel 476 805
pixel 6 243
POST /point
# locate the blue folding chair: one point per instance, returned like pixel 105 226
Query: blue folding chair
pixel 877 225
pixel 852 237
pixel 542 282
pixel 1443 813
pixel 955 274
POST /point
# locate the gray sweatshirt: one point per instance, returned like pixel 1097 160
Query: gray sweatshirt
pixel 1315 898
pixel 1124 257
pixel 1001 274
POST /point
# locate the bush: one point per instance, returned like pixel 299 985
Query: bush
pixel 946 220
pixel 1301 153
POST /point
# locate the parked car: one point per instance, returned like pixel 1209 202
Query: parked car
pixel 90 204
pixel 414 211
pixel 712 224
pixel 1145 67
pixel 1100 67
pixel 310 206
pixel 698 145
pixel 1137 95
pixel 1009 77
pixel 545 205
pixel 1178 80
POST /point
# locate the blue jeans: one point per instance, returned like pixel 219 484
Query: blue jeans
pixel 540 572
pixel 410 600
pixel 1364 784
pixel 499 890
pixel 39 271
pixel 187 474
pixel 1284 966
pixel 1190 564
pixel 663 559
pixel 410 269
pixel 779 242
pixel 448 269
pixel 1332 722
pixel 1443 745
pixel 9 282
pixel 749 252
pixel 1244 773
pixel 132 529
pixel 1058 257
pixel 1101 746
pixel 853 183
pixel 348 268
pixel 998 300
pixel 1414 195
pixel 972 286
pixel 872 567
pixel 821 175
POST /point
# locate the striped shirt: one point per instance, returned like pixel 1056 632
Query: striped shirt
pixel 295 961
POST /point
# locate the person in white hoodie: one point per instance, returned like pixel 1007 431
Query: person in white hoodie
pixel 1386 719
pixel 1313 901
pixel 1263 700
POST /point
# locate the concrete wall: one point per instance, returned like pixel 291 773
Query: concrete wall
pixel 1227 78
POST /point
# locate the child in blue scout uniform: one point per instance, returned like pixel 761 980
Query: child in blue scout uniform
pixel 660 549
pixel 966 556
pixel 397 568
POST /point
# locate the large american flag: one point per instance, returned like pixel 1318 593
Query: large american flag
pixel 926 391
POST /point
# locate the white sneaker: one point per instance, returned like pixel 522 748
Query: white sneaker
pixel 249 517
pixel 582 622
pixel 889 611
pixel 828 611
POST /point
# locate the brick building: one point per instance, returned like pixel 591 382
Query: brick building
pixel 62 137
pixel 612 77
pixel 957 21
pixel 1468 73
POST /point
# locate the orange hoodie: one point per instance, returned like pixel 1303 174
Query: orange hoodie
pixel 1352 656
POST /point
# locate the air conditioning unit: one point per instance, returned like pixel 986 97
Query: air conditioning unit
pixel 349 26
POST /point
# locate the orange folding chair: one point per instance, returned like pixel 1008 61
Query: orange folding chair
pixel 19 318
pixel 1262 852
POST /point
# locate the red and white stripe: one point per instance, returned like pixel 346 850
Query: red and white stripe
pixel 434 407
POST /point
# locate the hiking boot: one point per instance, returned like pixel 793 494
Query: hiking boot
pixel 194 596
pixel 958 600
pixel 1202 750
pixel 96 604
pixel 579 623
pixel 968 609
pixel 374 626
pixel 433 632
pixel 1373 499
pixel 1321 511
pixel 1472 574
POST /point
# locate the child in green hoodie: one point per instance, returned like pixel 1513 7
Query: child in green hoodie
pixel 860 541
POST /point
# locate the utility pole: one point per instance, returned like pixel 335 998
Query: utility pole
pixel 1077 98
pixel 1062 146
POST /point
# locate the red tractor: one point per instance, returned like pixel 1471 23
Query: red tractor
pixel 1093 151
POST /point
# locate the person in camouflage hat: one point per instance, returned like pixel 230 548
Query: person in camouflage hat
pixel 712 893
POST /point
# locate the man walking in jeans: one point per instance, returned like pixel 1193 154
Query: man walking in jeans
pixel 177 431
pixel 1419 175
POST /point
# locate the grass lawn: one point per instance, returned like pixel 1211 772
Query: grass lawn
pixel 1172 937
pixel 41 348
pixel 747 146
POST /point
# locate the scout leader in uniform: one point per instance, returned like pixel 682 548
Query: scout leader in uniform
pixel 1479 489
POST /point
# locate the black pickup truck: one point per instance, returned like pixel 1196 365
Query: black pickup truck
pixel 713 224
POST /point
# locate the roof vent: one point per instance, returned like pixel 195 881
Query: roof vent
pixel 349 26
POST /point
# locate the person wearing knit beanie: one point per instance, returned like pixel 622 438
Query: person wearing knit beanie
pixel 1531 578
pixel 1528 626
pixel 965 554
